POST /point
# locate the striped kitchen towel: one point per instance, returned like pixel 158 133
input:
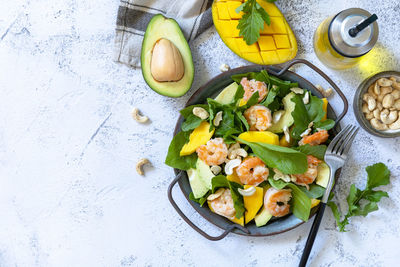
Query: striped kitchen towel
pixel 194 17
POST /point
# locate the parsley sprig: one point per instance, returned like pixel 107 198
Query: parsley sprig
pixel 378 174
pixel 252 21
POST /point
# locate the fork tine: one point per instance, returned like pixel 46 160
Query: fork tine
pixel 337 138
pixel 346 146
pixel 342 140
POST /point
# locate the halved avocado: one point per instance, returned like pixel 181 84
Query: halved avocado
pixel 159 28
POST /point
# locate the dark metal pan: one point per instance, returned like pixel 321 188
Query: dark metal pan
pixel 211 89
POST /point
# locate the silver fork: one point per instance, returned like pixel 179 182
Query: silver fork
pixel 335 157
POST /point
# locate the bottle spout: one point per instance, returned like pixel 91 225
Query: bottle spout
pixel 355 30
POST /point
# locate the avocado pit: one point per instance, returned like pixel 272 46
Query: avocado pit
pixel 166 62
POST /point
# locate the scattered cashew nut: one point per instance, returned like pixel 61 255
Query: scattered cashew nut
pixel 224 67
pixel 231 165
pixel 140 164
pixel 277 115
pixel 297 90
pixel 218 118
pixel 216 195
pixel 200 112
pixel 215 169
pixel 247 192
pixel 137 117
pixel 306 98
pixel 237 153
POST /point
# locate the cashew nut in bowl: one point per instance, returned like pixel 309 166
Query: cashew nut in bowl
pixel 369 115
pixel 388 117
pixel 395 125
pixel 378 125
pixel 376 113
pixel 384 92
pixel 396 104
pixel 137 117
pixel 379 106
pixel 370 102
pixel 371 91
pixel 140 164
pixel 396 94
pixel 388 101
pixel 365 108
pixel 377 89
pixel 384 82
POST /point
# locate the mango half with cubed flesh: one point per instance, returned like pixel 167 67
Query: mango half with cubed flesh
pixel 277 43
pixel 166 59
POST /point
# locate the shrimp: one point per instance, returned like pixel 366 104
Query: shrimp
pixel 252 86
pixel 223 205
pixel 276 201
pixel 259 117
pixel 315 139
pixel 252 171
pixel 310 175
pixel 214 152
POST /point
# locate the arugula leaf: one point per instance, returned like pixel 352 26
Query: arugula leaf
pixel 190 123
pixel 300 117
pixel 300 202
pixel 242 120
pixel 316 151
pixel 238 77
pixel 378 174
pixel 221 181
pixel 285 159
pixel 239 93
pixel 283 85
pixel 315 191
pixel 252 21
pixel 174 159
pixel 271 101
pixel 315 108
pixel 324 125
pixel 201 200
pixel 227 123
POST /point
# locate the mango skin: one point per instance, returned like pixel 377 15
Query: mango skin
pixel 260 137
pixel 198 137
pixel 253 203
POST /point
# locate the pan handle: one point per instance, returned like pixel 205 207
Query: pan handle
pixel 188 221
pixel 323 75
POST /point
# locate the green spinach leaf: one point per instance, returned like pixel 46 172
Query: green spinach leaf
pixel 174 159
pixel 316 151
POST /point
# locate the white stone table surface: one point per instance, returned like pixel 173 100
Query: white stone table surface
pixel 69 192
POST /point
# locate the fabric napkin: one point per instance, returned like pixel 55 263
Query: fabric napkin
pixel 194 17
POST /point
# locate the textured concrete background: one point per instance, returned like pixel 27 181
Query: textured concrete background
pixel 69 193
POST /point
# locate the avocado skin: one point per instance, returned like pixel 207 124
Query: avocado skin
pixel 162 27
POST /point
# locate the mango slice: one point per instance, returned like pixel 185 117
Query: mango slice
pixel 277 43
pixel 323 174
pixel 314 202
pixel 234 178
pixel 198 137
pixel 283 142
pixel 235 220
pixel 253 203
pixel 325 108
pixel 260 136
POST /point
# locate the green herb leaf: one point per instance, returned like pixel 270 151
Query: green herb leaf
pixel 316 151
pixel 252 21
pixel 285 159
pixel 221 181
pixel 300 202
pixel 300 117
pixel 190 123
pixel 324 125
pixel 173 158
pixel 315 109
pixel 378 174
pixel 201 200
pixel 315 191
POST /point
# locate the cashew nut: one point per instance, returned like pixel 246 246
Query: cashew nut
pixel 370 102
pixel 396 85
pixel 388 117
pixel 247 192
pixel 396 104
pixel 396 94
pixel 371 91
pixel 377 89
pixel 369 116
pixel 200 112
pixel 376 113
pixel 236 153
pixel 224 67
pixel 365 108
pixel 384 91
pixel 306 98
pixel 137 117
pixel 215 169
pixel 139 166
pixel 287 134
pixel 378 125
pixel 395 125
pixel 325 93
pixel 379 106
pixel 218 118
pixel 388 101
pixel 216 195
pixel 280 175
pixel 384 82
pixel 231 165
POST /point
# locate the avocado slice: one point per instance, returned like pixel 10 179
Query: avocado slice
pixel 162 28
pixel 287 118
pixel 227 95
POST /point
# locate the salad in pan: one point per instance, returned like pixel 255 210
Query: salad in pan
pixel 256 151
